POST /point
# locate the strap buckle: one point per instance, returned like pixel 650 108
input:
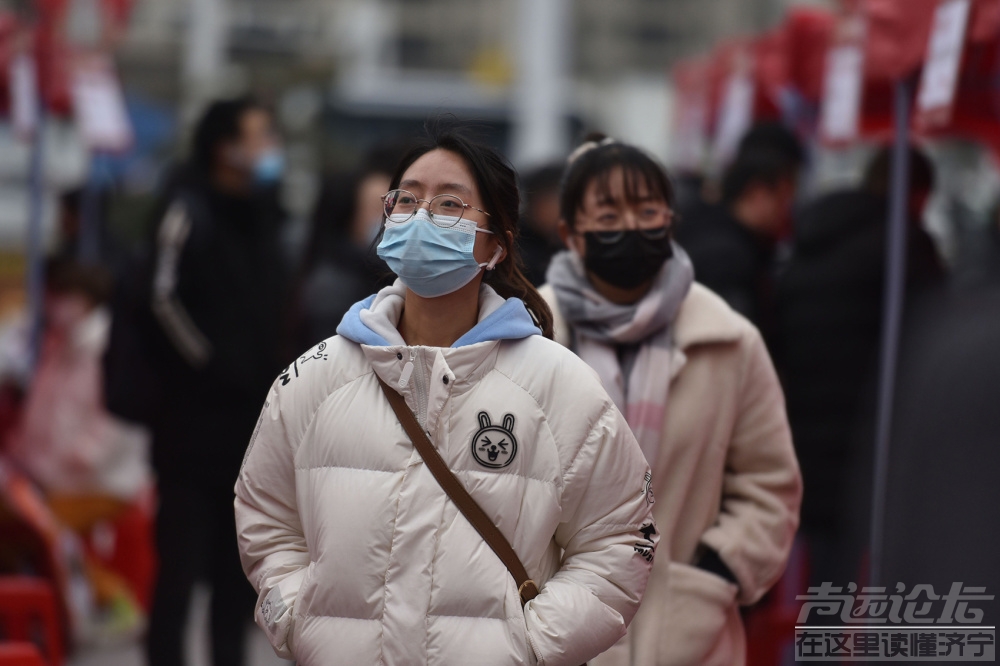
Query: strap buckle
pixel 527 591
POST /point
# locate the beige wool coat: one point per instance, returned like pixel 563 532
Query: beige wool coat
pixel 726 478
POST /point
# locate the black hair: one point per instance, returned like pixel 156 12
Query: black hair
pixel 68 276
pixel 542 179
pixel 756 167
pixel 384 156
pixel 496 181
pixel 71 200
pixel 219 124
pixel 338 200
pixel 640 171
pixel 334 210
pixel 879 171
pixel 775 137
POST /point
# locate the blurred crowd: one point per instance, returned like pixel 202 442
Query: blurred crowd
pixel 119 451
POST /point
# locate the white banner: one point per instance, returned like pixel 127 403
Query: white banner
pixel 842 89
pixel 735 116
pixel 944 56
pixel 99 106
pixel 24 104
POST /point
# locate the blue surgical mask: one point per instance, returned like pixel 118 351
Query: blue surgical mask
pixel 431 260
pixel 269 167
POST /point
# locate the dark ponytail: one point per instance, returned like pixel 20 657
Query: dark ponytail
pixel 497 184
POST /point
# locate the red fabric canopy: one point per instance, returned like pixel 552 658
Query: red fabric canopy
pixel 810 33
pixel 787 59
pixel 976 110
pixel 896 36
pixel 895 48
pixel 898 32
pixel 8 32
pixel 792 58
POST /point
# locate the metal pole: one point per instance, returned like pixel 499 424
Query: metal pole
pixel 36 266
pixel 892 311
pixel 91 230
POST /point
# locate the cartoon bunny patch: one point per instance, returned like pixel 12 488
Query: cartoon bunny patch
pixel 494 446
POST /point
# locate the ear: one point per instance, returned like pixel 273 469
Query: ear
pixel 569 239
pixel 564 231
pixel 510 243
pixel 508 423
pixel 484 420
pixel 497 254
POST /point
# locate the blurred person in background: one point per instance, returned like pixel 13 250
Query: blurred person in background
pixel 829 307
pixel 91 465
pixel 539 229
pixel 732 243
pixel 215 297
pixel 69 223
pixel 67 440
pixel 978 250
pixel 340 267
pixel 70 227
pixel 776 137
pixel 358 554
pixel 696 384
pixel 943 500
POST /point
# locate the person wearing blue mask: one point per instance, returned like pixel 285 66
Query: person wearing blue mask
pixel 338 266
pixel 212 309
pixel 358 553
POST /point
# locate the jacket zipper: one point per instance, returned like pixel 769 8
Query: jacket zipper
pixel 418 386
pixel 534 648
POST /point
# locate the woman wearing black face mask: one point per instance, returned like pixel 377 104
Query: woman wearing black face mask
pixel 698 390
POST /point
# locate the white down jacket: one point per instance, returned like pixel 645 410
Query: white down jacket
pixel 358 555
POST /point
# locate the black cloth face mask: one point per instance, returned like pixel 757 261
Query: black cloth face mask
pixel 630 260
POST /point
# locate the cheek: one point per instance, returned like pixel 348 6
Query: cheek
pixel 772 206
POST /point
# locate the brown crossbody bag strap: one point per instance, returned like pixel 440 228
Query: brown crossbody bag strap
pixel 494 538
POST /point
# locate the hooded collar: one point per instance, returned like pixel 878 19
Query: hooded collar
pixel 373 321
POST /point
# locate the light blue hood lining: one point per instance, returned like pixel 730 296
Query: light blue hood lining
pixel 373 321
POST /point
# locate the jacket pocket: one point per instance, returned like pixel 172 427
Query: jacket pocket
pixel 699 606
pixel 518 625
pixel 295 613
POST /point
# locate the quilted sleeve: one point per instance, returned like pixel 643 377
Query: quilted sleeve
pixel 608 539
pixel 269 530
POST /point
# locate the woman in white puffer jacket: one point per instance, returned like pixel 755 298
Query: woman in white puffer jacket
pixel 358 555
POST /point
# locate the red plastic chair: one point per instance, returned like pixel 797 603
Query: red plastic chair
pixel 29 612
pixel 20 654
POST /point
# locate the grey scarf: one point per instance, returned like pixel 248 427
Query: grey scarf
pixel 600 327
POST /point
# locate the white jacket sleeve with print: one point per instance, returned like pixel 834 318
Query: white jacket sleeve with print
pixel 268 526
pixel 608 541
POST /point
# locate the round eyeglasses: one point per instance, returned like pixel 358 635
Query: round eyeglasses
pixel 445 209
pixel 611 237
